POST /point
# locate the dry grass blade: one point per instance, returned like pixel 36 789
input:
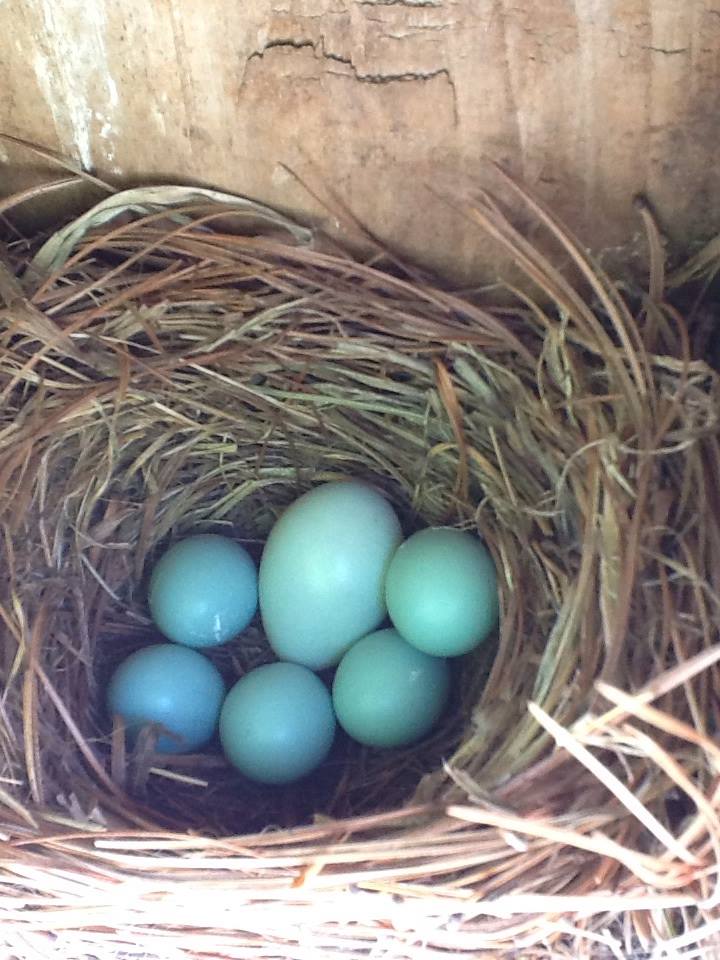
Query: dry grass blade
pixel 178 360
pixel 56 159
pixel 565 739
pixel 30 193
pixel 171 201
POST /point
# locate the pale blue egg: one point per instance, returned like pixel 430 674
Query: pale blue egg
pixel 203 591
pixel 442 592
pixel 169 685
pixel 323 569
pixel 386 693
pixel 277 723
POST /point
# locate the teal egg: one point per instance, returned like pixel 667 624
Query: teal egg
pixel 322 572
pixel 203 591
pixel 173 686
pixel 441 591
pixel 277 723
pixel 387 693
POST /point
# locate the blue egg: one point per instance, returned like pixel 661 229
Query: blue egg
pixel 322 573
pixel 442 591
pixel 277 723
pixel 203 591
pixel 388 694
pixel 177 688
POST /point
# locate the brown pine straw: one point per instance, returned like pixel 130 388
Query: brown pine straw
pixel 190 364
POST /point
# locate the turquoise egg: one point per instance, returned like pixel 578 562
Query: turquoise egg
pixel 172 686
pixel 387 693
pixel 277 723
pixel 441 591
pixel 322 572
pixel 203 591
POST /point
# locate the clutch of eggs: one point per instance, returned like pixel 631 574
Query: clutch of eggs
pixel 333 570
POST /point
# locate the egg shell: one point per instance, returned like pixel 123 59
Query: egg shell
pixel 323 569
pixel 203 591
pixel 441 591
pixel 170 685
pixel 277 723
pixel 386 693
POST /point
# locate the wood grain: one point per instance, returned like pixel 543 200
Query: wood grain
pixel 590 101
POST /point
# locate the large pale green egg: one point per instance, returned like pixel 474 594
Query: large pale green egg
pixel 175 687
pixel 322 572
pixel 203 591
pixel 277 723
pixel 387 693
pixel 441 591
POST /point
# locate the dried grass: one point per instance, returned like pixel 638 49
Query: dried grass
pixel 194 363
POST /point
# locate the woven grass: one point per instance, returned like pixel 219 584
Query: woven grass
pixel 180 361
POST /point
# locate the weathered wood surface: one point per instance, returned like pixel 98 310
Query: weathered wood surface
pixel 590 101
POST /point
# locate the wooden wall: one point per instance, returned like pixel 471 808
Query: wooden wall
pixel 590 101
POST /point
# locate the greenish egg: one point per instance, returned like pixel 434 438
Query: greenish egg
pixel 172 686
pixel 322 573
pixel 387 693
pixel 277 723
pixel 203 591
pixel 441 591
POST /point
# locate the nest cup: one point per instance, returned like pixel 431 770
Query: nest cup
pixel 176 362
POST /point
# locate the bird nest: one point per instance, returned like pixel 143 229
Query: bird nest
pixel 177 361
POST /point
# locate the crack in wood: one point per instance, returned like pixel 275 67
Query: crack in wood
pixel 666 51
pixel 414 29
pixel 399 3
pixel 380 78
